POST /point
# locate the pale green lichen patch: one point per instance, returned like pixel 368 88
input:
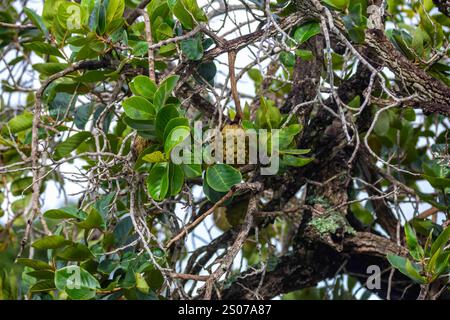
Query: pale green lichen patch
pixel 331 223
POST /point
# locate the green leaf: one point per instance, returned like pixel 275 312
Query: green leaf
pixel 42 274
pixel 82 114
pixel 143 86
pixel 164 91
pixel 43 48
pixel 362 214
pixel 337 4
pixel 64 148
pixel 397 262
pixel 306 31
pixel 158 181
pixel 355 23
pixel 405 266
pixel 413 272
pixel 187 12
pixel 221 177
pixel 43 285
pixel 267 115
pixel 94 220
pixel 50 242
pixel 65 213
pixel 192 48
pixel 212 194
pixel 294 161
pixel 115 10
pixel 141 284
pixel 306 55
pixel 101 19
pixel 21 186
pixel 37 20
pixel 415 249
pixel 176 179
pixel 287 58
pixel 174 122
pixel 255 75
pixel 155 157
pixel 141 125
pixel 192 170
pixel 163 117
pixel 75 252
pixel 442 263
pixel 383 124
pixel 440 242
pixel 49 11
pixel 33 263
pixel 287 135
pixel 49 68
pixel 176 136
pixel 19 123
pixel 76 282
pixel 138 108
pixel 95 15
pixel 295 151
pixel 206 72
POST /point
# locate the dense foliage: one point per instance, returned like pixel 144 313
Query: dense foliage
pixel 97 94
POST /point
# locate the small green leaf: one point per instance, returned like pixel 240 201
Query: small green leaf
pixel 43 48
pixel 21 186
pixel 175 122
pixel 138 108
pixel 176 136
pixel 93 220
pixel 441 240
pixel 397 262
pixel 287 58
pixel 164 91
pixel 75 252
pixel 37 20
pixel 158 181
pixel 221 177
pixel 413 272
pixel 65 213
pixel 294 161
pixel 64 148
pixel 141 284
pixel 306 31
pixel 192 170
pixel 295 151
pixel 287 135
pixel 176 179
pixel 192 48
pixel 76 282
pixel 405 266
pixel 187 12
pixel 163 118
pixel 306 55
pixel 33 263
pixel 19 123
pixel 415 249
pixel 43 285
pixel 143 86
pixel 50 242
pixel 337 4
pixel 155 157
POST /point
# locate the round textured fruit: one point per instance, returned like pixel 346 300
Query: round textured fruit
pixel 235 152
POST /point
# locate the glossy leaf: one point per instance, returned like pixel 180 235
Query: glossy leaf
pixel 138 108
pixel 65 148
pixel 221 177
pixel 76 282
pixel 158 181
